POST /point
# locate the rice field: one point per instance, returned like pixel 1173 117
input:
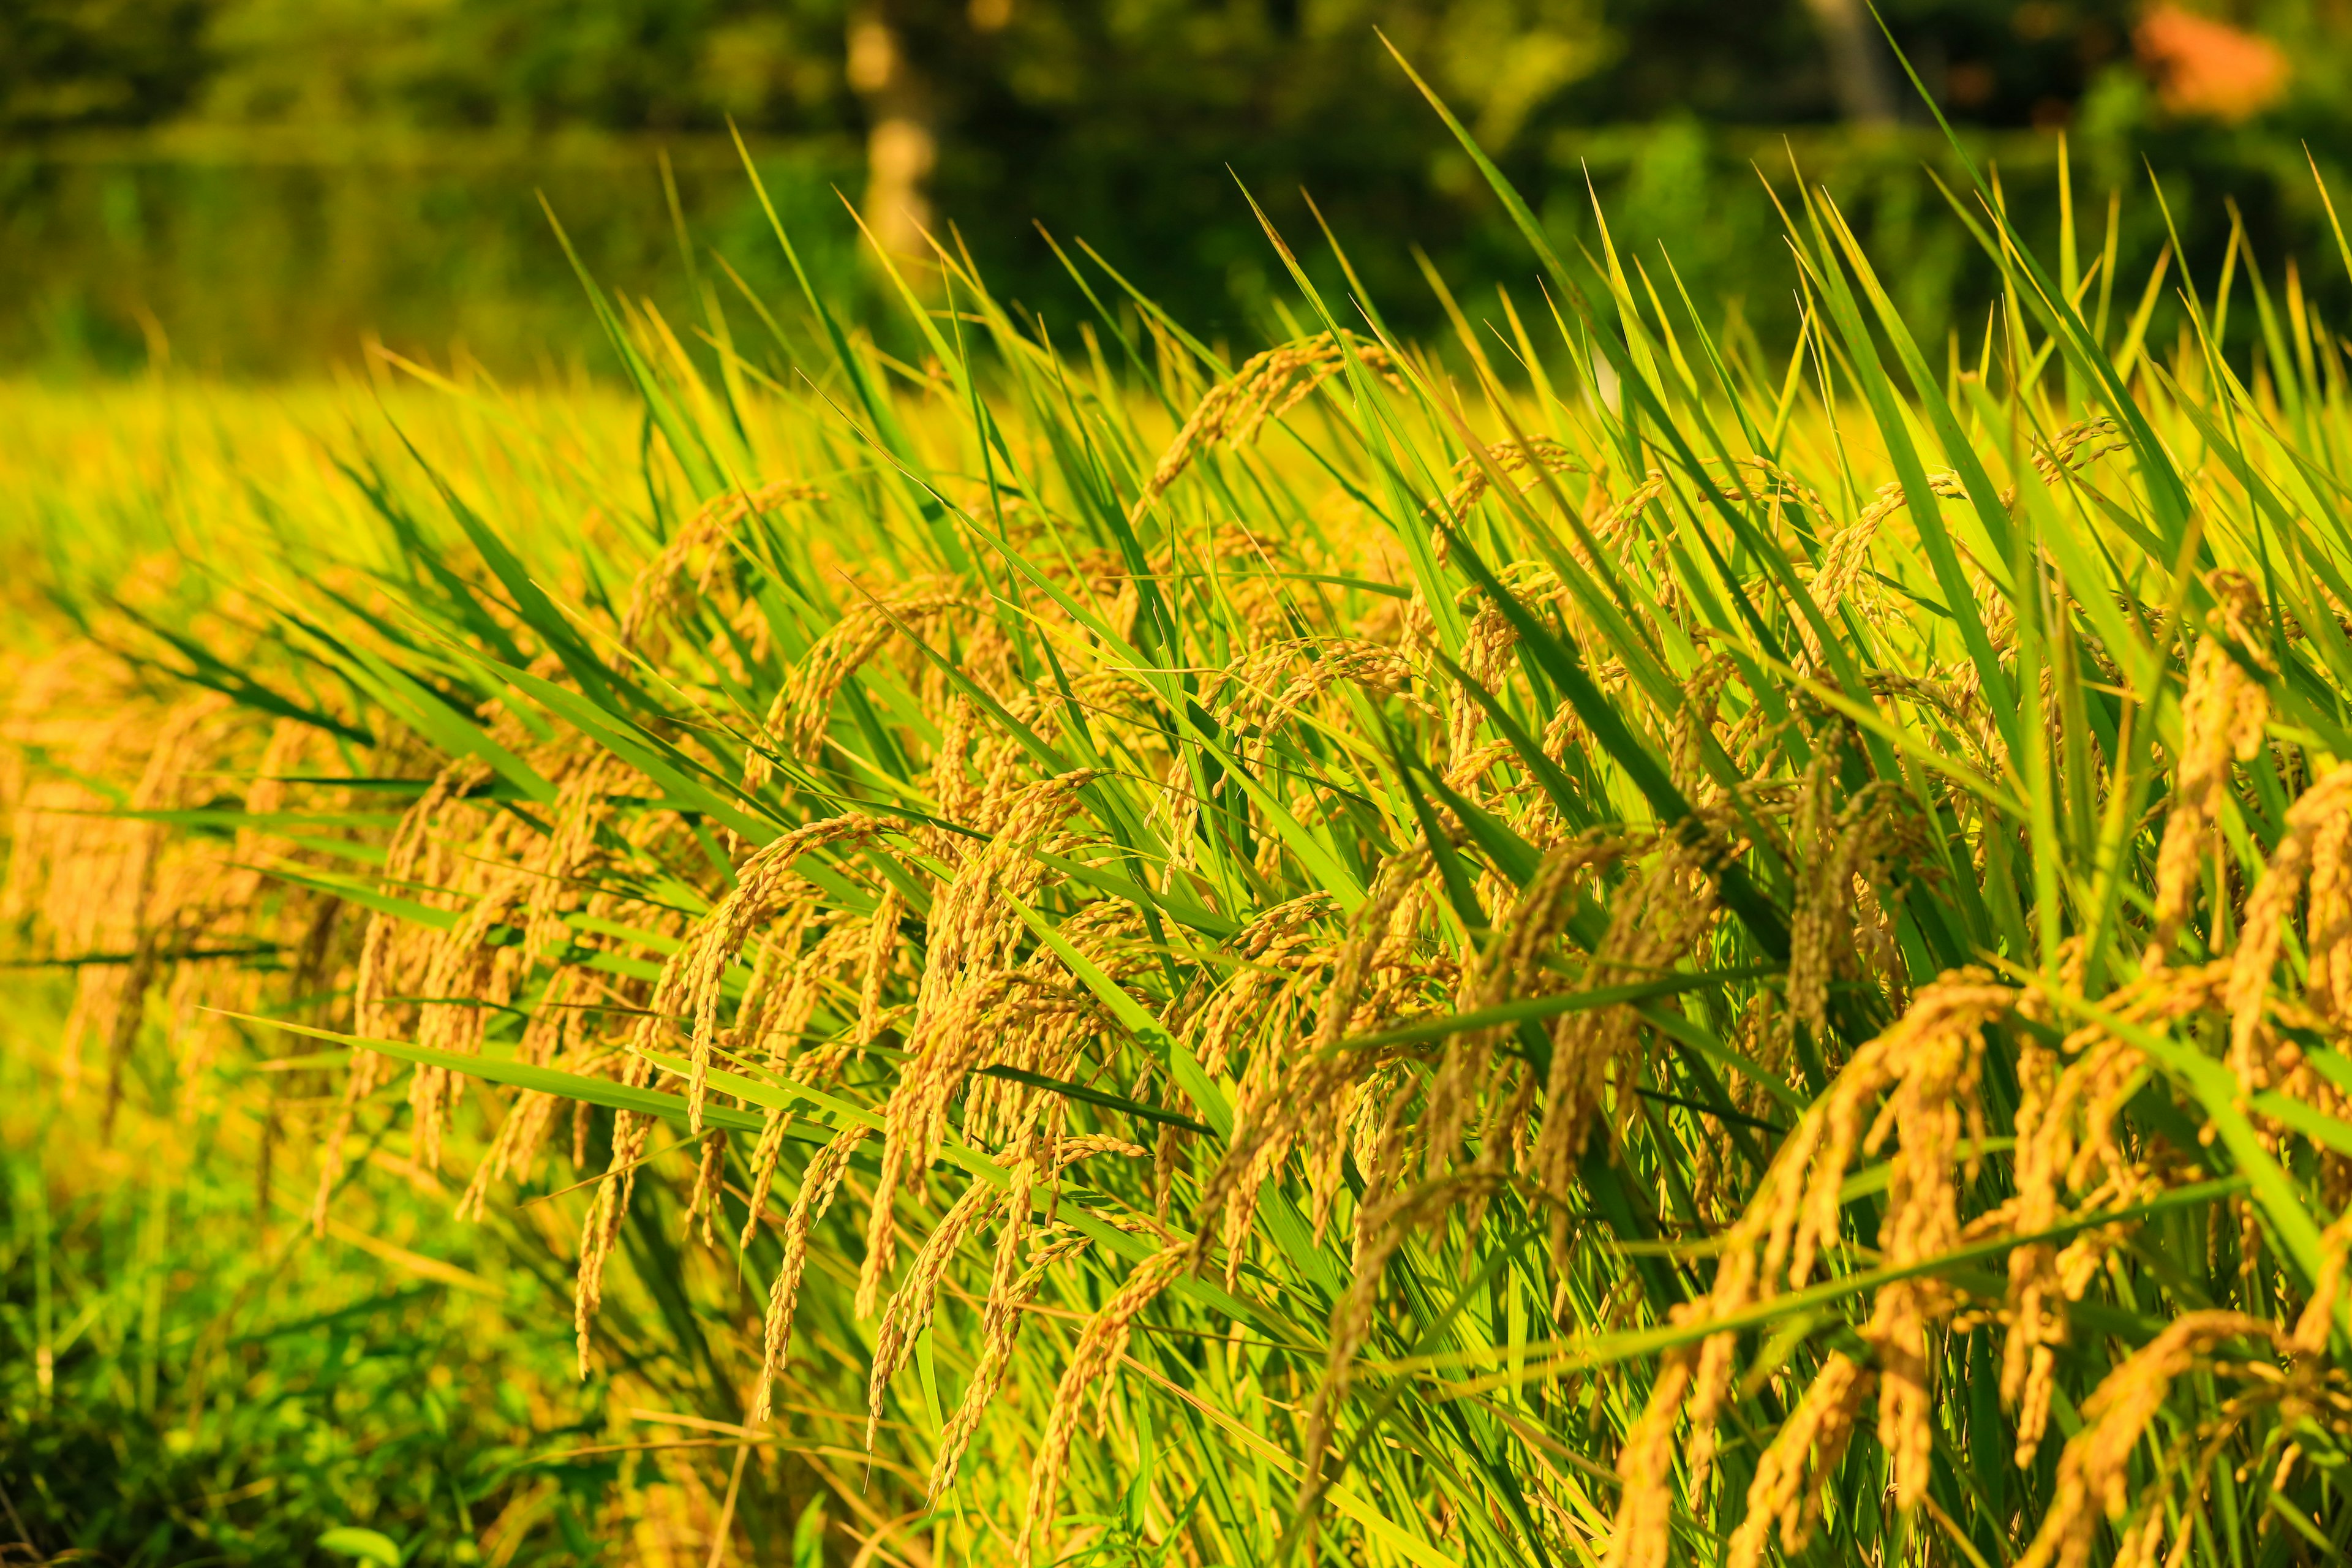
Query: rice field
pixel 1586 944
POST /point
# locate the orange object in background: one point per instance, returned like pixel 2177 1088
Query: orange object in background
pixel 2203 66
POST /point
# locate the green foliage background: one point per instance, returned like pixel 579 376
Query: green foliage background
pixel 259 183
pixel 189 1379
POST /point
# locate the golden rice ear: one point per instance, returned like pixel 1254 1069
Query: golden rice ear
pixel 1599 1056
pixel 1267 387
pixel 1009 1295
pixel 908 1312
pixel 2094 1469
pixel 2322 1312
pixel 709 532
pixel 802 711
pixel 882 942
pixel 973 935
pixel 773 1126
pixel 2323 813
pixel 1381 1232
pixel 1288 1100
pixel 819 1183
pixel 708 1173
pixel 1642 1536
pixel 764 885
pixel 1785 1494
pixel 1922 1069
pixel 1101 1344
pixel 606 1211
pixel 2222 713
pixel 1473 475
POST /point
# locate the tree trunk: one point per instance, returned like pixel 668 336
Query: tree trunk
pixel 901 146
pixel 1858 65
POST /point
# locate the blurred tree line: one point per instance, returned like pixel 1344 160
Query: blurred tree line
pixel 1129 122
pixel 1021 76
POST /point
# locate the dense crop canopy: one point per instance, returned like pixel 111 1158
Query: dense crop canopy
pixel 1589 948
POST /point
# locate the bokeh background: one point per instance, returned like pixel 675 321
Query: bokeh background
pixel 254 187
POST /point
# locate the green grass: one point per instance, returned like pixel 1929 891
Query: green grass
pixel 1498 857
pixel 191 1380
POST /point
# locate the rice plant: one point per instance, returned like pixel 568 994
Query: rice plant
pixel 1579 946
